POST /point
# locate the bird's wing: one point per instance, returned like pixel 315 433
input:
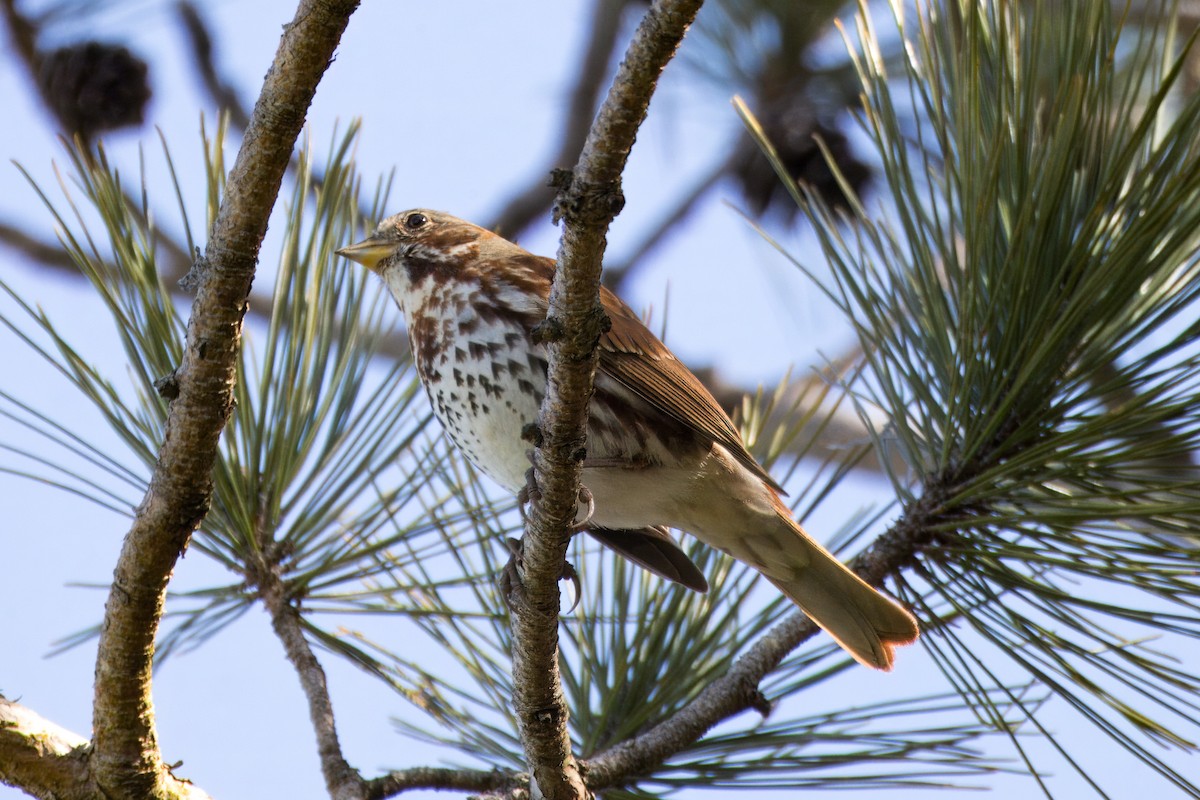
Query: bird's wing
pixel 639 361
pixel 654 550
pixel 635 358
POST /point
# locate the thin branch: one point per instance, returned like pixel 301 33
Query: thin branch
pixel 616 275
pixel 223 93
pixel 535 200
pixel 341 779
pixel 588 201
pixel 50 254
pixel 23 35
pixel 126 761
pixel 444 779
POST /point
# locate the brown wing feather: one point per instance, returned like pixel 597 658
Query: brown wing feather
pixel 654 550
pixel 638 360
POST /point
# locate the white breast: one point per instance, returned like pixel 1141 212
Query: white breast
pixel 478 372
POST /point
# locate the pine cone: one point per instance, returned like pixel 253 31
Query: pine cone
pixel 804 162
pixel 95 87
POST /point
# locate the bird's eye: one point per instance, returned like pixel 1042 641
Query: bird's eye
pixel 415 221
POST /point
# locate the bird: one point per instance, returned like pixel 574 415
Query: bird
pixel 661 453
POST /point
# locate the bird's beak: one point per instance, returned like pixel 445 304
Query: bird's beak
pixel 369 252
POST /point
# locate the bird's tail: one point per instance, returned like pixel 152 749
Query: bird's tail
pixel 865 622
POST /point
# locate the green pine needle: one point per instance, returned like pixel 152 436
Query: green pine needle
pixel 1024 303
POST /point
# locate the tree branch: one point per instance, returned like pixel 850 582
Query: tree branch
pixel 530 203
pixel 221 91
pixel 443 779
pixel 587 203
pixel 38 756
pixel 341 779
pixel 126 761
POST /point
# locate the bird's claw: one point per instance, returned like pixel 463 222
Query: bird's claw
pixel 511 581
pixel 527 493
pixel 510 577
pixel 585 497
pixel 570 573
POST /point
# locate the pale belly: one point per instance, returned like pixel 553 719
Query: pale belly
pixel 486 389
pixel 484 418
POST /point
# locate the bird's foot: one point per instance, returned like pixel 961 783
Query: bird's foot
pixel 569 573
pixel 509 583
pixel 527 493
pixel 512 579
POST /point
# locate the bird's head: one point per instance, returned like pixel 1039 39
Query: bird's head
pixel 417 237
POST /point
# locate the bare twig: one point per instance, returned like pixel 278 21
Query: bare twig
pixel 588 201
pixel 532 202
pixel 341 779
pixel 443 778
pixel 126 761
pixel 221 91
pixel 616 275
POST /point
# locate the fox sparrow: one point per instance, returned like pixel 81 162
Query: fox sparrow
pixel 660 451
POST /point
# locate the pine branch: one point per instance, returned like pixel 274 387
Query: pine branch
pixel 126 761
pixel 588 201
pixel 341 780
pixel 444 779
